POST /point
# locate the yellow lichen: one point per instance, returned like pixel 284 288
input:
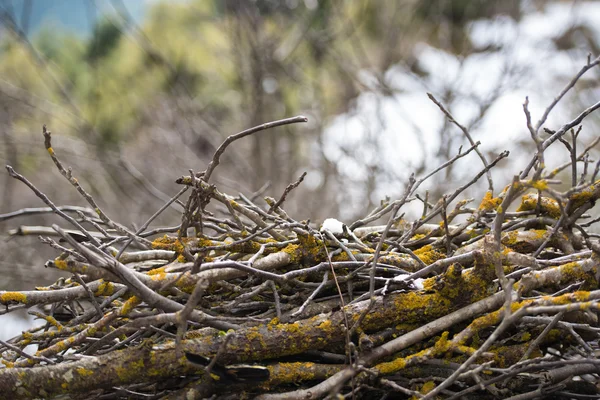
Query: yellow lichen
pixel 581 295
pixel 525 337
pixel 489 203
pixel 105 289
pixel 60 264
pixel 131 371
pixel 292 372
pixel 129 305
pixel 324 325
pixel 579 199
pixel 429 284
pixel 295 327
pixel 548 206
pixel 158 274
pixel 443 343
pixel 390 367
pixel 524 241
pixel 54 322
pixel 293 250
pixel 171 243
pixel 427 387
pixel 84 372
pixel 540 185
pixel 159 270
pixel 13 296
pixel 428 254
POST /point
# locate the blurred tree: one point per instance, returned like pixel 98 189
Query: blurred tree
pixel 105 38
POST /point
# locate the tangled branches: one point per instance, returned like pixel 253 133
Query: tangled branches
pixel 240 299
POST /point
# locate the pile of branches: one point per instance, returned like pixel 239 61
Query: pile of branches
pixel 240 300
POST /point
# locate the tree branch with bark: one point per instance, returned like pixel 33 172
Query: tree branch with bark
pixel 242 299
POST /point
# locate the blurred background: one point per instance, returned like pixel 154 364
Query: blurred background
pixel 137 92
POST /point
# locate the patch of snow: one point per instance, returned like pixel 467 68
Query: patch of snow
pixel 333 225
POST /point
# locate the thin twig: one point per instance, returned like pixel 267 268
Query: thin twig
pixel 467 135
pixel 230 139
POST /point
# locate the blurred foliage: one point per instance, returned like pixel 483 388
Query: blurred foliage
pixel 221 53
pixel 105 37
